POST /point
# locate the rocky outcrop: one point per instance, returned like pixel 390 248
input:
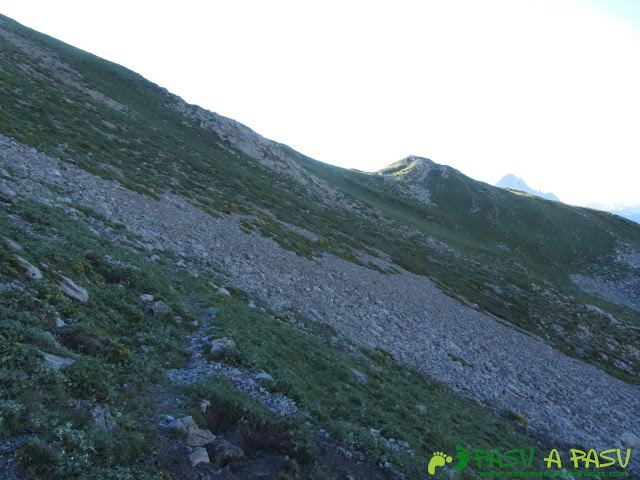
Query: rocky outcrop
pixel 410 175
pixel 267 152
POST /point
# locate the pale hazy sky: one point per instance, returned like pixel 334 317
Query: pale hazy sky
pixel 546 89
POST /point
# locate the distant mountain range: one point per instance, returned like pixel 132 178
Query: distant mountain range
pixel 631 212
pixel 516 183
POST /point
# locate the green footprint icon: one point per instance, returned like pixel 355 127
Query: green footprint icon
pixel 463 457
pixel 439 459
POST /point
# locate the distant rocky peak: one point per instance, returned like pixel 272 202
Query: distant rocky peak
pixel 411 168
pixel 411 174
pixel 516 183
pixel 413 161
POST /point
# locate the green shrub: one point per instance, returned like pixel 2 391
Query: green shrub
pixel 89 379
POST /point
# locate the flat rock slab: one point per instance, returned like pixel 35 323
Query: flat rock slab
pixel 32 272
pixel 57 362
pixel 71 290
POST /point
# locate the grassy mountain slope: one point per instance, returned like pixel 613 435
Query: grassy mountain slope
pixel 524 245
pixel 503 253
pixel 112 122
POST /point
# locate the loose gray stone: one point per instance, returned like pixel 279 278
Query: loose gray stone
pixel 362 378
pixel 404 444
pixel 630 440
pixel 70 289
pixel 221 344
pixel 264 376
pixel 12 245
pixel 57 362
pixel 196 437
pixel 204 404
pixel 452 347
pixel 6 192
pixel 358 295
pixel 224 452
pixel 32 272
pixel 158 308
pixel 199 455
pixel 103 419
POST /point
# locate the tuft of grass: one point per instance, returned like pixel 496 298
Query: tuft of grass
pixel 514 417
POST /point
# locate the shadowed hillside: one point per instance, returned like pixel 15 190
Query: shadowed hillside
pixel 181 297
